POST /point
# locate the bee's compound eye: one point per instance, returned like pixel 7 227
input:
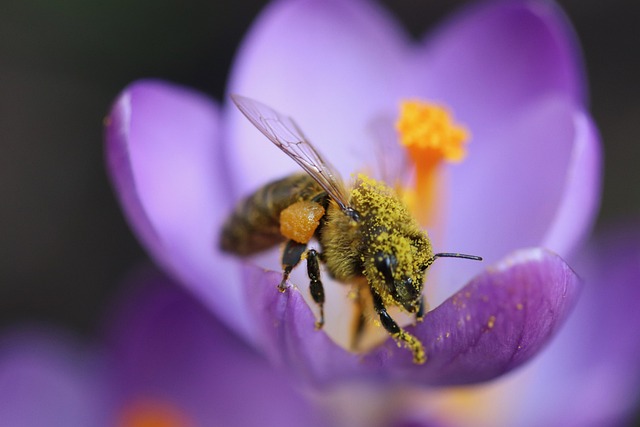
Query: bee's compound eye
pixel 386 264
pixel 408 294
pixel 408 288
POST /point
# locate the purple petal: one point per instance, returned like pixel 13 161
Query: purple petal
pixel 163 151
pixel 496 323
pixel 499 320
pixel 533 181
pixel 287 331
pixel 331 65
pixel 169 349
pixel 498 57
pixel 600 339
pixel 511 72
pixel 45 380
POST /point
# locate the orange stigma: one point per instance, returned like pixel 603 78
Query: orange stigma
pixel 430 135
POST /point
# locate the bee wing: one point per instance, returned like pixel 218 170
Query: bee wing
pixel 390 161
pixel 287 136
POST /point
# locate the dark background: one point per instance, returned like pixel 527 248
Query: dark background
pixel 65 244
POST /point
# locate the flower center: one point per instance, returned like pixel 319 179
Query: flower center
pixel 431 136
pixel 152 413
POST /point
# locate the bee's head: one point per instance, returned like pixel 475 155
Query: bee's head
pixel 396 251
pixel 397 270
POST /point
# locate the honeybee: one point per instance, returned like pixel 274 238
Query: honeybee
pixel 365 233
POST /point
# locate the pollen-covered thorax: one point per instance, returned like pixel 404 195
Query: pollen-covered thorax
pixel 395 250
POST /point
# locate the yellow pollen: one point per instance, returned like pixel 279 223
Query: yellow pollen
pixel 430 135
pixel 427 130
pixel 491 322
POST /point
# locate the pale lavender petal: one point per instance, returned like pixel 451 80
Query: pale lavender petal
pixel 497 57
pixel 518 188
pixel 581 190
pixel 47 380
pixel 164 155
pixel 511 72
pixel 497 322
pixel 331 65
pixel 167 348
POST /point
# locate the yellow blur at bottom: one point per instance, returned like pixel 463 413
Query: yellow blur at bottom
pixel 152 413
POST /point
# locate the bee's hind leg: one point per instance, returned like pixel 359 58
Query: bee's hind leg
pixel 315 285
pixel 290 258
pixel 293 252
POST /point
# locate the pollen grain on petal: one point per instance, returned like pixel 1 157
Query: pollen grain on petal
pixel 491 322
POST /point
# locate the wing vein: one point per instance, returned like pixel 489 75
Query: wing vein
pixel 285 134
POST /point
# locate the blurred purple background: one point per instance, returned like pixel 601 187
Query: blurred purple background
pixel 65 245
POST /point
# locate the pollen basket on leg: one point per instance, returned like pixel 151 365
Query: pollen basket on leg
pixel 430 136
pixel 299 221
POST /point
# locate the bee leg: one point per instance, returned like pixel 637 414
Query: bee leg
pixel 290 258
pixel 420 313
pixel 398 334
pixel 359 321
pixel 315 285
pixel 387 322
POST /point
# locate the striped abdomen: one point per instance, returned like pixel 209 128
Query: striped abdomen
pixel 255 223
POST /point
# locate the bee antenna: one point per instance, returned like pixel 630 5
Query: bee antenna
pixel 452 255
pixel 456 255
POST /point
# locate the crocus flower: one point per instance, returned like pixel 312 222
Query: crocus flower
pixel 509 71
pixel 165 362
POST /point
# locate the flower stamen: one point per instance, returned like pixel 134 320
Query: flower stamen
pixel 430 135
